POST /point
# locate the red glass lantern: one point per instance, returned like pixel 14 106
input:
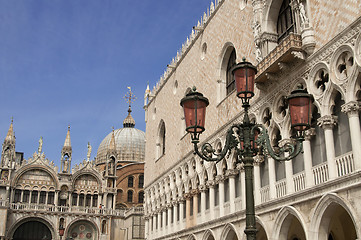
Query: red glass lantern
pixel 244 75
pixel 61 231
pixel 300 103
pixel 194 105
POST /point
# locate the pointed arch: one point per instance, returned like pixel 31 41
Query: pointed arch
pixel 284 219
pixel 321 215
pixel 209 235
pixel 230 232
pixel 227 59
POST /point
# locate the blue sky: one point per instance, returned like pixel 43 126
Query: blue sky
pixel 70 62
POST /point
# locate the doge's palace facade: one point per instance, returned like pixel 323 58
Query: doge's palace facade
pixel 316 43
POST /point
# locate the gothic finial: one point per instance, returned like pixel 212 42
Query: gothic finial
pixel 40 148
pixel 89 151
pixel 129 121
pixel 10 136
pixel 67 142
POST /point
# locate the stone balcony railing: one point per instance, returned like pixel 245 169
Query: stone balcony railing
pixel 285 52
pixel 46 208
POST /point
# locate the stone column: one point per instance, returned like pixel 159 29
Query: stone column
pixel 146 226
pixel 99 200
pixel 159 222
pixel 105 198
pixel 231 173
pixel 257 178
pixel 30 196
pixel 175 215
pixel 154 221
pixel 22 195
pixel 203 189
pixel 352 109
pixel 272 177
pixel 288 170
pixel 243 185
pixel 327 123
pixel 114 200
pixel 56 198
pixel 164 220
pixel 169 208
pixel 38 199
pixel 181 213
pixel 188 209
pixel 220 180
pixel 307 157
pixel 195 206
pixel 77 200
pixel 211 198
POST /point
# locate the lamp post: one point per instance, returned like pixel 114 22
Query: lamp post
pixel 61 231
pixel 247 139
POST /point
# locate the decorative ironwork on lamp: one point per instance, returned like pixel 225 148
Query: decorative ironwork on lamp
pixel 247 139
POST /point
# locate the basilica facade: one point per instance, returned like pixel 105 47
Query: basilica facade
pixel 96 199
pixel 315 43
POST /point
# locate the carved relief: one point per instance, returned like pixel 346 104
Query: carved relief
pixel 344 65
pixel 280 108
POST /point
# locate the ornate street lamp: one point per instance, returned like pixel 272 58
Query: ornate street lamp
pixel 61 231
pixel 248 139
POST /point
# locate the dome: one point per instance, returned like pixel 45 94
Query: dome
pixel 129 143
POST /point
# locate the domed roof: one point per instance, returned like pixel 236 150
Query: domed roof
pixel 129 143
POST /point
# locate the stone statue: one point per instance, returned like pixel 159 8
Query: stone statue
pixel 303 17
pixel 258 54
pixel 40 149
pixel 6 158
pixel 89 151
pixel 66 162
pixel 256 29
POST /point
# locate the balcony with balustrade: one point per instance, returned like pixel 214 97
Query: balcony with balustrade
pixel 286 52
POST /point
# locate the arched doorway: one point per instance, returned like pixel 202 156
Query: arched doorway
pixel 336 223
pixel 261 233
pixel 292 229
pixel 32 230
pixel 85 230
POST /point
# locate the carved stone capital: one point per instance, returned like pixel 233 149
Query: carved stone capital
pixel 240 166
pixel 327 122
pixel 258 159
pixel 211 183
pixel 351 108
pixel 309 133
pixel 187 195
pixel 232 172
pixel 195 191
pixel 202 188
pixel 220 178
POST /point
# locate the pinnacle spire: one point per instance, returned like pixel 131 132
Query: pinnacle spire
pixel 129 121
pixel 112 142
pixel 67 143
pixel 10 137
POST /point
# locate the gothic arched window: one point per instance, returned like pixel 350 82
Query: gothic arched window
pixel 161 140
pixel 141 197
pixel 230 83
pixel 285 21
pixel 130 196
pixel 141 181
pixel 130 181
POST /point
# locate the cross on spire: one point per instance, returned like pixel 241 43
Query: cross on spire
pixel 129 97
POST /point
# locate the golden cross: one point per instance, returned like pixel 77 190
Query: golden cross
pixel 129 97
